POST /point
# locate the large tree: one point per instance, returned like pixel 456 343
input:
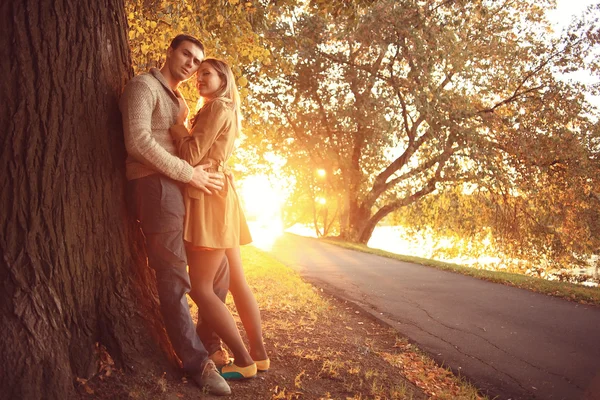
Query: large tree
pixel 72 270
pixel 400 100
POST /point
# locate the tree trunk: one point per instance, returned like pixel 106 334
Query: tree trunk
pixel 358 217
pixel 344 214
pixel 362 223
pixel 72 271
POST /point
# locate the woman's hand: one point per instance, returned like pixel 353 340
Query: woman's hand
pixel 183 111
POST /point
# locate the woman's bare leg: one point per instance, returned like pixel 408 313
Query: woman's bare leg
pixel 246 304
pixel 203 267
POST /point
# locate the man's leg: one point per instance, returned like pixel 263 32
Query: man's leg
pixel 160 209
pixel 211 341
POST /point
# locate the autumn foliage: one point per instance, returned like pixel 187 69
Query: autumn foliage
pixel 407 103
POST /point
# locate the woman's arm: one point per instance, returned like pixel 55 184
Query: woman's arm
pixel 212 121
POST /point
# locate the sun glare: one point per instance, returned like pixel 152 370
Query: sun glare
pixel 262 205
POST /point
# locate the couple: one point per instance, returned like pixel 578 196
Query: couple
pixel 190 213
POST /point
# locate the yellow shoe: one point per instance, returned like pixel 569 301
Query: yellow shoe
pixel 233 372
pixel 263 365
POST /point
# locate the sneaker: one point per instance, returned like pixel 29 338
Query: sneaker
pixel 220 357
pixel 233 372
pixel 211 381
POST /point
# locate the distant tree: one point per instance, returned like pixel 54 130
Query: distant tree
pixel 402 100
pixel 555 225
pixel 311 201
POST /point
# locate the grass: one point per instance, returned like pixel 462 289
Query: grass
pixel 565 290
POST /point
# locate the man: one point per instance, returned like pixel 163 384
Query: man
pixel 149 106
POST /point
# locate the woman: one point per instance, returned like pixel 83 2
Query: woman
pixel 215 224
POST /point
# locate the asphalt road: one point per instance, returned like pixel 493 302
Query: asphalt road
pixel 511 343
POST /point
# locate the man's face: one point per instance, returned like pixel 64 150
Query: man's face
pixel 184 61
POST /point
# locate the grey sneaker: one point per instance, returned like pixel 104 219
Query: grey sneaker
pixel 211 381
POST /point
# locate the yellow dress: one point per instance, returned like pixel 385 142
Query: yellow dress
pixel 217 220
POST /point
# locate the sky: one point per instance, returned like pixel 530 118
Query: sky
pixel 561 17
pixel 566 9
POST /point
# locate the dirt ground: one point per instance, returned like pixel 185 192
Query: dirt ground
pixel 320 347
pixel 343 356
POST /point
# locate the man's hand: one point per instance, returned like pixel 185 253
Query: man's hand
pixel 183 111
pixel 206 180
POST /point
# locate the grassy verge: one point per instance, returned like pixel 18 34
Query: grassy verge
pixel 320 348
pixel 569 291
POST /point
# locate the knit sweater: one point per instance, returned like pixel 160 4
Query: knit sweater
pixel 149 108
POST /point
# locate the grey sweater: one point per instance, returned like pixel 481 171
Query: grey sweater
pixel 149 108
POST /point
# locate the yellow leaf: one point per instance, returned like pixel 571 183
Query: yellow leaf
pixel 243 81
pixel 233 2
pixel 131 16
pixel 153 24
pixel 131 35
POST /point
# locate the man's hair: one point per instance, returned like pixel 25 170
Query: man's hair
pixel 183 38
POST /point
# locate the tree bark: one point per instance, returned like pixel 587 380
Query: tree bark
pixel 72 270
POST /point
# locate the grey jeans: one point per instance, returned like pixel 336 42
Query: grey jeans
pixel 158 205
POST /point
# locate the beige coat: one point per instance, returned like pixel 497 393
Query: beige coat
pixel 216 220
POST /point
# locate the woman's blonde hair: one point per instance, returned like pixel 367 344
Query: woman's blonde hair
pixel 228 89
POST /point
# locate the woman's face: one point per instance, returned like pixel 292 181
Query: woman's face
pixel 208 81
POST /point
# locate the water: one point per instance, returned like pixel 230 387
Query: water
pixel 395 239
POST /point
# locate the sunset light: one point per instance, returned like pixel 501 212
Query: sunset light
pixel 350 199
pixel 262 204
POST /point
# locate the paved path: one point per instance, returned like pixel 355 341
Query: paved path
pixel 509 342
